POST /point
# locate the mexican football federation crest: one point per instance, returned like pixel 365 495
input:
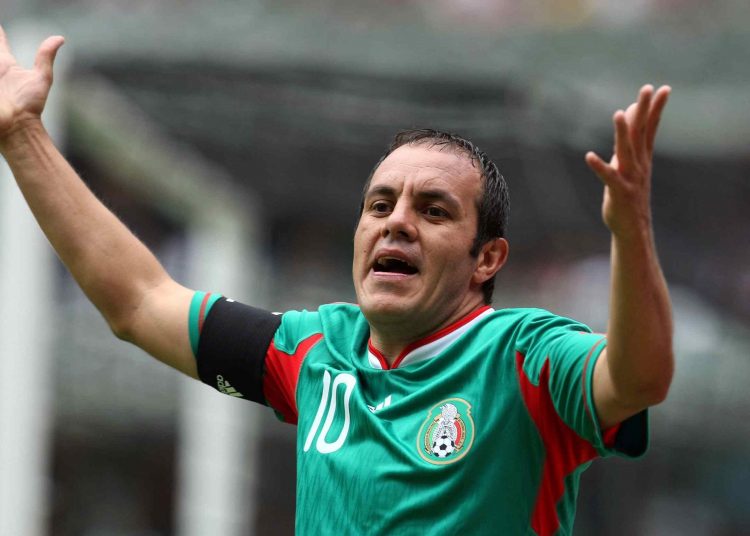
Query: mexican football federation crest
pixel 447 433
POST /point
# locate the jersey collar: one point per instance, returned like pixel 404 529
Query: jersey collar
pixel 429 346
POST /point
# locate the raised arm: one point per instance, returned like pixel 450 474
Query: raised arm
pixel 636 368
pixel 122 278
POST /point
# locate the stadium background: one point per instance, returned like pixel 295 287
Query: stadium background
pixel 234 138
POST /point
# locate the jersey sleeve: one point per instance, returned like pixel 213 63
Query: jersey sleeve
pixel 250 353
pixel 298 334
pixel 231 346
pixel 557 357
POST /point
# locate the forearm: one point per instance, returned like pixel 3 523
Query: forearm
pixel 112 266
pixel 639 348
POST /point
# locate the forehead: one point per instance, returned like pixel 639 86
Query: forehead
pixel 422 166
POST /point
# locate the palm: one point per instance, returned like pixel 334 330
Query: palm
pixel 633 192
pixel 23 92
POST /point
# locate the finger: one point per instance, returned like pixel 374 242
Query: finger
pixel 640 119
pixel 623 147
pixel 606 173
pixel 657 106
pixel 4 45
pixel 630 113
pixel 45 56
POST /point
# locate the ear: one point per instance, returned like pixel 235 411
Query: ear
pixel 491 258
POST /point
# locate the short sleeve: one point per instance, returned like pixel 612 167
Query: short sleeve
pixel 563 353
pixel 231 349
pixel 298 333
pixel 200 306
pixel 295 328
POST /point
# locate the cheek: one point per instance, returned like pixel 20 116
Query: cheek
pixel 363 230
pixel 458 265
pixel 360 246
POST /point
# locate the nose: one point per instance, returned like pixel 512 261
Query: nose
pixel 401 222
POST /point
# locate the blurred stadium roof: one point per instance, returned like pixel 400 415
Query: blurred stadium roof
pixel 573 70
pixel 296 101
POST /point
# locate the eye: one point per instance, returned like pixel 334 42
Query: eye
pixel 435 212
pixel 381 207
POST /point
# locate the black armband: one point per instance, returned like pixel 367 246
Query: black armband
pixel 232 348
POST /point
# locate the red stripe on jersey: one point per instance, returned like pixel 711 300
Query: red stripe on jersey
pixel 202 311
pixel 438 334
pixel 564 449
pixel 610 435
pixel 379 356
pixel 427 340
pixel 281 376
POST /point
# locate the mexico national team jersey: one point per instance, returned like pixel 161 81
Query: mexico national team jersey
pixel 481 428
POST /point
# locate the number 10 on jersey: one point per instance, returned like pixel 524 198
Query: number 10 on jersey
pixel 322 445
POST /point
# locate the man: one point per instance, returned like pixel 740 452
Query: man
pixel 421 408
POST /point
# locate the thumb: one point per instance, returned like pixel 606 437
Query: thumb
pixel 600 168
pixel 45 56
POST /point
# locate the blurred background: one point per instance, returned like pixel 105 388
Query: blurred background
pixel 234 138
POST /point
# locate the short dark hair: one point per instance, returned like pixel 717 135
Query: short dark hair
pixel 492 207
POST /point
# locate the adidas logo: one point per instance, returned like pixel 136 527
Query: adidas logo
pixel 384 404
pixel 225 387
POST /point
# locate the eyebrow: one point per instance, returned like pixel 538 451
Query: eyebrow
pixel 425 195
pixel 380 190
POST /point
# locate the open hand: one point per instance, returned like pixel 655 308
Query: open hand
pixel 626 208
pixel 23 92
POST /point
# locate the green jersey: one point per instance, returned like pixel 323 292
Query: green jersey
pixel 482 427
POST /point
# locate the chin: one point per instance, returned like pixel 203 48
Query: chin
pixel 386 308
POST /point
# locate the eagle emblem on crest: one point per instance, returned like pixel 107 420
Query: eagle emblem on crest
pixel 447 433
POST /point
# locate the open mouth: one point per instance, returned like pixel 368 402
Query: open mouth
pixel 394 266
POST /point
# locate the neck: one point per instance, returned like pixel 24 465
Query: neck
pixel 392 338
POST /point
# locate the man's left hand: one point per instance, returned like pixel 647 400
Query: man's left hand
pixel 626 208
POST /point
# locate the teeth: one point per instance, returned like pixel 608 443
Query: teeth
pixel 385 261
pixel 394 264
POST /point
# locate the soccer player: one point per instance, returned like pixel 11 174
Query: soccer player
pixel 421 409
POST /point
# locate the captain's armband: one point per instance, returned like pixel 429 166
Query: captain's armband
pixel 231 348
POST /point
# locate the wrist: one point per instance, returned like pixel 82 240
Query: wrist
pixel 636 242
pixel 636 228
pixel 18 136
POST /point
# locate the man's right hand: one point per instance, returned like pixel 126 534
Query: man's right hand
pixel 120 276
pixel 23 92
